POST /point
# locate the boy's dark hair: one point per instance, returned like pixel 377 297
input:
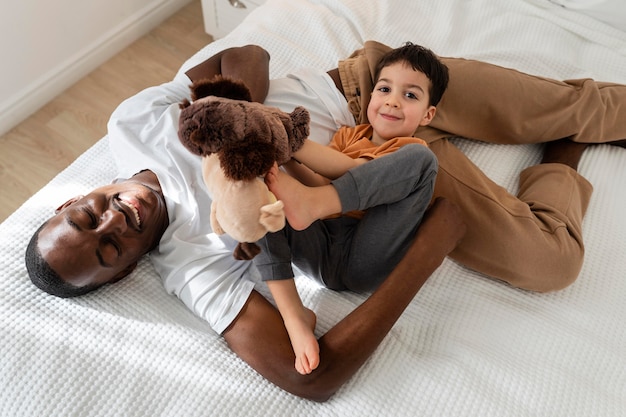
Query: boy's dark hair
pixel 420 59
pixel 44 277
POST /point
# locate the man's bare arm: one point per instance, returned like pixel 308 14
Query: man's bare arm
pixel 249 64
pixel 259 337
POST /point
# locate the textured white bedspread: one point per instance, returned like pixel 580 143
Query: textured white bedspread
pixel 467 345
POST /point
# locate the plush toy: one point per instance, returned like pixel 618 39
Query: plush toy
pixel 239 141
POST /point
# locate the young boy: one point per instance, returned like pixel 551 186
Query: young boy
pixel 355 250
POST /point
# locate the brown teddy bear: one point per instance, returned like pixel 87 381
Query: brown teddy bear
pixel 239 141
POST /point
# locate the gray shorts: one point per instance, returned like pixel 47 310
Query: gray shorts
pixel 346 253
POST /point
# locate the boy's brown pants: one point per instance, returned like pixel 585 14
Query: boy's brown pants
pixel 532 240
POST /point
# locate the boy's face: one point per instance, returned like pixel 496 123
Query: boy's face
pixel 399 102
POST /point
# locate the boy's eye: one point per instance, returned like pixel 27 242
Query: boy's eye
pixel 411 95
pixel 383 89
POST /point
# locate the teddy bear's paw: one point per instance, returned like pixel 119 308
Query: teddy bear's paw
pixel 246 251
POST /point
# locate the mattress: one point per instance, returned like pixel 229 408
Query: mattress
pixel 466 346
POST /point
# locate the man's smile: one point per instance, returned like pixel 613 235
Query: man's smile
pixel 135 208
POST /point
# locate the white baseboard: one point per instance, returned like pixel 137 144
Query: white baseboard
pixel 18 107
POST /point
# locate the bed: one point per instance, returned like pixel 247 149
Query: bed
pixel 466 346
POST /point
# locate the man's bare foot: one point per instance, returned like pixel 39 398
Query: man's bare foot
pixel 564 151
pixel 295 196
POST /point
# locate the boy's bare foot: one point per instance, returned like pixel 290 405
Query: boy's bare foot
pixel 296 196
pixel 304 342
pixel 564 151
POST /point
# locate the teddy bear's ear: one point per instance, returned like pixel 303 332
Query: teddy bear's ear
pixel 197 130
pixel 184 104
pixel 203 126
pixel 220 86
pixel 300 119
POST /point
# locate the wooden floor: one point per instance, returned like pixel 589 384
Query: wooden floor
pixel 36 150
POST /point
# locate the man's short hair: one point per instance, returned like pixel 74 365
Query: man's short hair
pixel 44 277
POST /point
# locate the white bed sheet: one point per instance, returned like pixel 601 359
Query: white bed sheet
pixel 466 346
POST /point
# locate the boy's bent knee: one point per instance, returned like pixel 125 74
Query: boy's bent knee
pixel 417 152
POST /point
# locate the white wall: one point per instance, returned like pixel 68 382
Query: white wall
pixel 48 45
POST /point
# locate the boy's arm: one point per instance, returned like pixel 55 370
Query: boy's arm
pixel 304 174
pixel 324 160
pixel 299 322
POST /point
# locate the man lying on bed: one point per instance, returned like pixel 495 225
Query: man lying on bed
pixel 99 238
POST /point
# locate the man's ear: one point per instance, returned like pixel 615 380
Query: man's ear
pixel 124 273
pixel 428 117
pixel 68 203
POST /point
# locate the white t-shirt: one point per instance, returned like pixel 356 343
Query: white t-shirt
pixel 194 263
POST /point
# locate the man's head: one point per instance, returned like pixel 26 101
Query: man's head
pixel 97 239
pixel 410 81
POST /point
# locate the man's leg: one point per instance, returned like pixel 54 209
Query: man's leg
pixel 536 246
pixel 520 108
pixel 532 241
pixel 516 108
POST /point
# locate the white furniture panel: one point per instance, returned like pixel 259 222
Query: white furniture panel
pixel 222 16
